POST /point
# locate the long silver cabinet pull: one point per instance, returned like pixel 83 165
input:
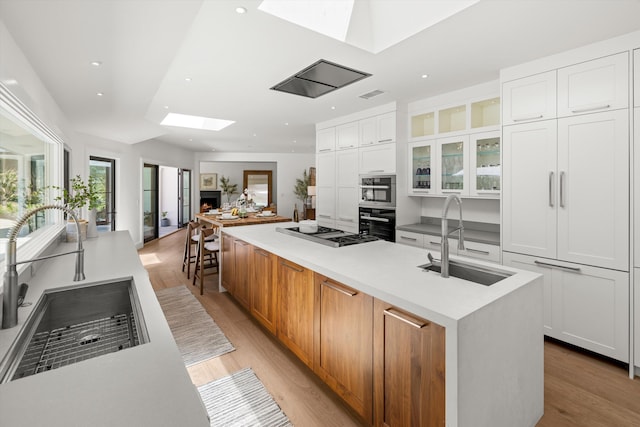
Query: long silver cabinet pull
pixel 551 174
pixel 345 219
pixel 299 270
pixel 376 187
pixel 435 243
pixel 591 108
pixel 324 150
pixel 376 170
pixel 391 312
pixel 385 140
pixel 550 265
pixel 339 289
pixel 324 216
pixel 413 239
pixel 478 251
pixel 522 119
pixel 562 189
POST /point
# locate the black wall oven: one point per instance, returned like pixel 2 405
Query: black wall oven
pixel 378 191
pixel 378 222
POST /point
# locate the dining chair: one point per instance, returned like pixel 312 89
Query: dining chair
pixel 191 242
pixel 206 257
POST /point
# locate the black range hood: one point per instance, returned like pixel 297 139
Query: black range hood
pixel 320 78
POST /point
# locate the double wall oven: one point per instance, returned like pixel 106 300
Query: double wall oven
pixel 378 206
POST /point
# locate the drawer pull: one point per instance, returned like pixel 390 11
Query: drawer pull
pixel 262 253
pixel 324 150
pixel 435 243
pixel 523 118
pixel 477 251
pixel 385 140
pixel 338 288
pixel 345 219
pixel 391 312
pixel 413 239
pixel 324 216
pixel 550 265
pixel 591 108
pixel 284 264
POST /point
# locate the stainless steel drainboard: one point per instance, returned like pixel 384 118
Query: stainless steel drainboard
pixel 65 346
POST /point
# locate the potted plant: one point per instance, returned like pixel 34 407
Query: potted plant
pixel 301 190
pixel 82 194
pixel 227 187
pixel 165 222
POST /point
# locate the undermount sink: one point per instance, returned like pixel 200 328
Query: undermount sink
pixel 76 323
pixel 472 272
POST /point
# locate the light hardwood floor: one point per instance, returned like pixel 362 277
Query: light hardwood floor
pixel 580 389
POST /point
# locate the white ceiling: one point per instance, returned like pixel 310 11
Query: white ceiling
pixel 148 48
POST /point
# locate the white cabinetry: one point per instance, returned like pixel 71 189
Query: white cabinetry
pixel 325 140
pixel 485 169
pixel 422 156
pixel 378 158
pixel 347 136
pixel 476 250
pixel 637 317
pixel 347 190
pixel 452 156
pixel 326 189
pixel 549 207
pixel 380 129
pixel 598 85
pixel 636 78
pixel 529 98
pixel 636 115
pixel 583 305
pixel 410 238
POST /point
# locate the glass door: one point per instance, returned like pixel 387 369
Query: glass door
pixel 184 197
pixel 150 202
pixel 453 163
pixel 103 172
pixel 486 169
pixel 421 179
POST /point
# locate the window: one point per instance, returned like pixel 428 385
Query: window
pixel 103 172
pixel 30 158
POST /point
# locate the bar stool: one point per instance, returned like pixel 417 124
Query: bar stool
pixel 206 257
pixel 190 244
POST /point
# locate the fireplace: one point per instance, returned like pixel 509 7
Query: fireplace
pixel 209 200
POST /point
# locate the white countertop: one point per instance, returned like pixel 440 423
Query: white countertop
pixel 387 271
pixel 144 385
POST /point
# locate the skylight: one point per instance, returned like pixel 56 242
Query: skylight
pixel 372 25
pixel 195 122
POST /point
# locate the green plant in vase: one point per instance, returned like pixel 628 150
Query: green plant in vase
pixel 227 187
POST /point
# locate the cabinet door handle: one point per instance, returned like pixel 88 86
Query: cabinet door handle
pixel 385 140
pixel 551 174
pixel 284 264
pixel 550 265
pixel 562 189
pixel 435 243
pixel 324 216
pixel 345 219
pixel 324 150
pixel 478 251
pixel 376 170
pixel 523 118
pixel 262 253
pixel 413 239
pixel 338 288
pixel 391 312
pixel 591 108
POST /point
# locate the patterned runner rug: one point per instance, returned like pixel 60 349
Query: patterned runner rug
pixel 241 400
pixel 198 337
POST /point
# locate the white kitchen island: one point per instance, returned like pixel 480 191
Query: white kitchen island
pixel 146 385
pixel 494 337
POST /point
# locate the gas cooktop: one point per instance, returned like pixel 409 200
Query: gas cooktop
pixel 329 236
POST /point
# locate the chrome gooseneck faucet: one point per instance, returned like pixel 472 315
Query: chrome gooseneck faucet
pixel 444 243
pixel 10 292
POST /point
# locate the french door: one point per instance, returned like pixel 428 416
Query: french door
pixel 184 197
pixel 150 201
pixel 103 171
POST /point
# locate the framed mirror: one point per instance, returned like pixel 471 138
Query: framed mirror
pixel 259 185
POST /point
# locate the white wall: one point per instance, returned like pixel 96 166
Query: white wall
pixel 235 172
pixel 289 167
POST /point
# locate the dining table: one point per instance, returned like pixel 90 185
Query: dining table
pixel 251 218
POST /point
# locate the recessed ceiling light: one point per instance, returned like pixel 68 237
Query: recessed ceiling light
pixel 286 124
pixel 213 149
pixel 255 134
pixel 241 10
pixel 100 94
pixel 166 107
pixel 195 122
pixel 425 76
pixel 187 79
pixel 190 139
pixel 333 107
pixel 96 63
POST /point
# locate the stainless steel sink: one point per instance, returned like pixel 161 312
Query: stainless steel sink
pixel 472 272
pixel 76 323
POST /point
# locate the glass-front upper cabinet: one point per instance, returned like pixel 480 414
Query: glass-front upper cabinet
pixel 422 125
pixel 453 165
pixel 485 164
pixel 421 178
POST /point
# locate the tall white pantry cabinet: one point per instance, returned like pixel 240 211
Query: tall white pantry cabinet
pixel 566 192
